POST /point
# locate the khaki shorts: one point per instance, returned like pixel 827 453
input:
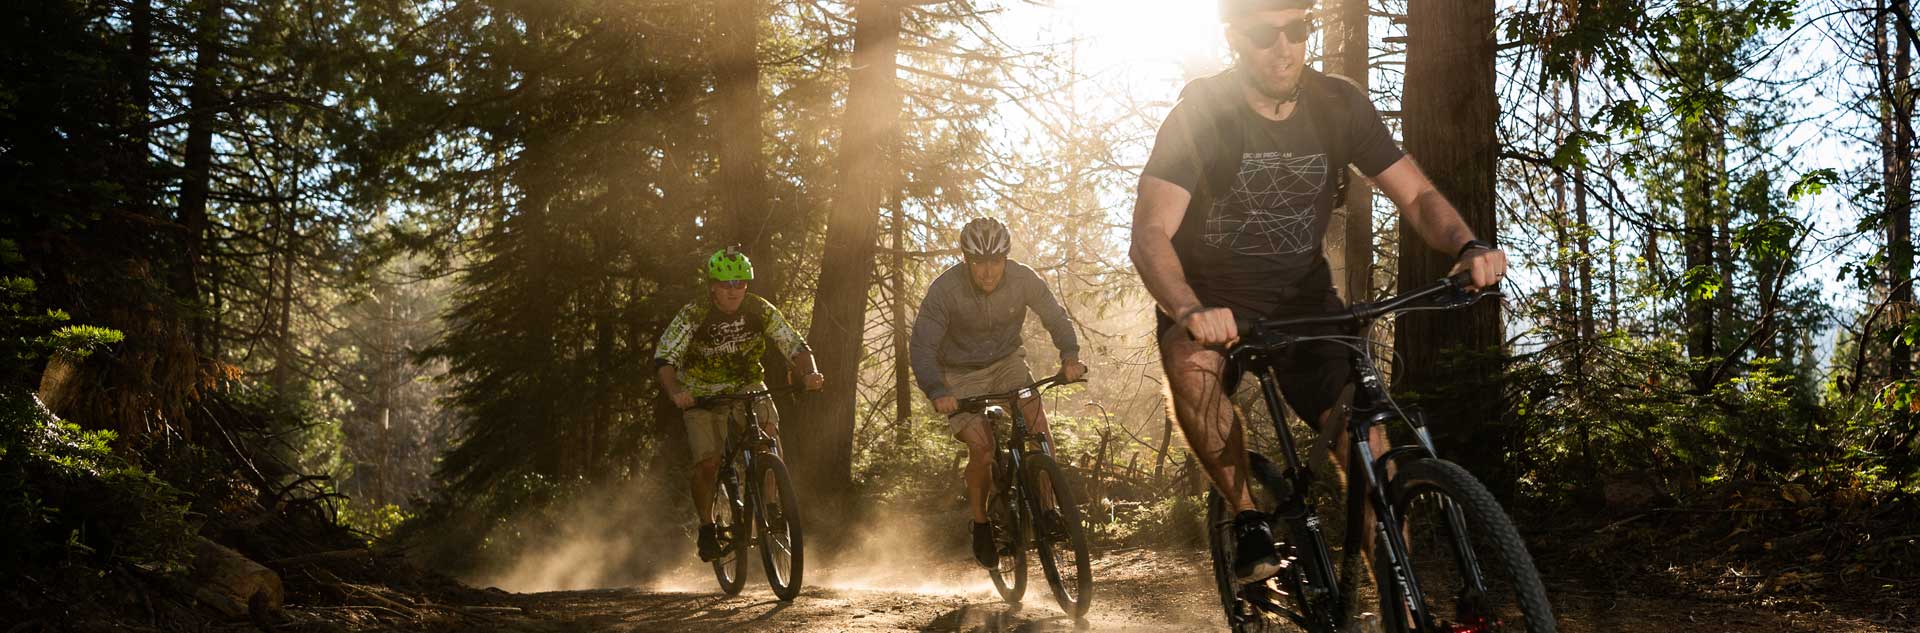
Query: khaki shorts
pixel 1007 374
pixel 707 426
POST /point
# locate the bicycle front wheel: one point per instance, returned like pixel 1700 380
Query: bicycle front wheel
pixel 1009 523
pixel 732 524
pixel 782 553
pixel 1471 569
pixel 1062 544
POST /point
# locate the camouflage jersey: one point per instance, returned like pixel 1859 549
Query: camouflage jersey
pixel 719 353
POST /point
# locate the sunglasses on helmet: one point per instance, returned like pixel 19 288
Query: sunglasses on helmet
pixel 1264 36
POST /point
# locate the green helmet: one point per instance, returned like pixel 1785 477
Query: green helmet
pixel 729 265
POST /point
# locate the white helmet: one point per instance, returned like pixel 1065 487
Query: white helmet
pixel 985 236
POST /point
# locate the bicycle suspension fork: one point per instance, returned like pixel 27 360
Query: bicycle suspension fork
pixel 1389 542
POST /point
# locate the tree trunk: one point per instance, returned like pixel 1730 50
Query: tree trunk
pixel 198 174
pixel 1450 116
pixel 902 377
pixel 1584 246
pixel 1347 55
pixel 1702 143
pixel 742 178
pixel 1896 154
pixel 825 461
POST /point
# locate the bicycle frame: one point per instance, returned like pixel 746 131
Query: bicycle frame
pixel 1372 406
pixel 1010 457
pixel 745 451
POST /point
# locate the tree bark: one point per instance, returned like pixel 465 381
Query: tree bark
pixel 825 456
pixel 1450 115
pixel 198 173
pixel 1347 45
pixel 742 181
pixel 1896 134
pixel 1702 145
pixel 902 377
pixel 1584 246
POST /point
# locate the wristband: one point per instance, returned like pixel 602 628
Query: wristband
pixel 1471 245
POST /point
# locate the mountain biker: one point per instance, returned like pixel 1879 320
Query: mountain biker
pixel 966 342
pixel 1233 204
pixel 713 346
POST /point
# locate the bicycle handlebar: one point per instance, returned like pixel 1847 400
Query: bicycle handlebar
pixel 1452 293
pixel 975 404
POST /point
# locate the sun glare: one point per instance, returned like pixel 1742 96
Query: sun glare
pixel 1145 39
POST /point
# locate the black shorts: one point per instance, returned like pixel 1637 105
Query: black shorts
pixel 1312 375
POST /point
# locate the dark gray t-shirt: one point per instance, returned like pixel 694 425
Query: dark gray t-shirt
pixel 1251 238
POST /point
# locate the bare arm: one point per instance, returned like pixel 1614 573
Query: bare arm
pixel 670 383
pixel 1156 217
pixel 1438 222
pixel 1435 219
pixel 803 365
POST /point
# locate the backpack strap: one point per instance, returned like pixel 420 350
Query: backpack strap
pixel 1216 96
pixel 1333 123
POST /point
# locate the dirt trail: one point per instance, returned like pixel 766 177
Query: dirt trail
pixel 1135 590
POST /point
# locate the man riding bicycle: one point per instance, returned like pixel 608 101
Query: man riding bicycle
pixel 713 347
pixel 966 342
pixel 1233 204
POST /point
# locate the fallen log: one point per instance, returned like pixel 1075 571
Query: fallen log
pixel 230 582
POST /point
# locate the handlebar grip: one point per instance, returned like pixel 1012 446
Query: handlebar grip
pixel 1245 326
pixel 1461 280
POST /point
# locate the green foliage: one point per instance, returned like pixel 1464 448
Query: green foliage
pixel 375 522
pixel 29 333
pixel 1631 414
pixel 67 499
pixel 1174 520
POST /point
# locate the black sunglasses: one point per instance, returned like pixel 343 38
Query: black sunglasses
pixel 1264 36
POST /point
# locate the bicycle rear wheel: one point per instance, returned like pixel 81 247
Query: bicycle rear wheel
pixel 732 525
pixel 782 553
pixel 1062 547
pixel 1009 523
pixel 1472 570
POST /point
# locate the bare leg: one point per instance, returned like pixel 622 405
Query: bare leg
pixel 979 473
pixel 1206 415
pixel 706 474
pixel 1037 424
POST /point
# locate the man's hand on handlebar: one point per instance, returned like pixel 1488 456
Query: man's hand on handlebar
pixel 1073 371
pixel 1485 265
pixel 946 405
pixel 1212 326
pixel 683 399
pixel 814 381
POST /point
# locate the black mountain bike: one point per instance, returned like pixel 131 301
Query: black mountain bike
pixel 1446 557
pixel 761 506
pixel 1025 480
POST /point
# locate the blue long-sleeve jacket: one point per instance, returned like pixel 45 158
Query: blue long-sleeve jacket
pixel 960 327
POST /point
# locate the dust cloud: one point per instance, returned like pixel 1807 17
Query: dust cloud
pixel 627 534
pixel 890 550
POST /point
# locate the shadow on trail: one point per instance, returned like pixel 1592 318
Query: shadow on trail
pixel 625 610
pixel 999 617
